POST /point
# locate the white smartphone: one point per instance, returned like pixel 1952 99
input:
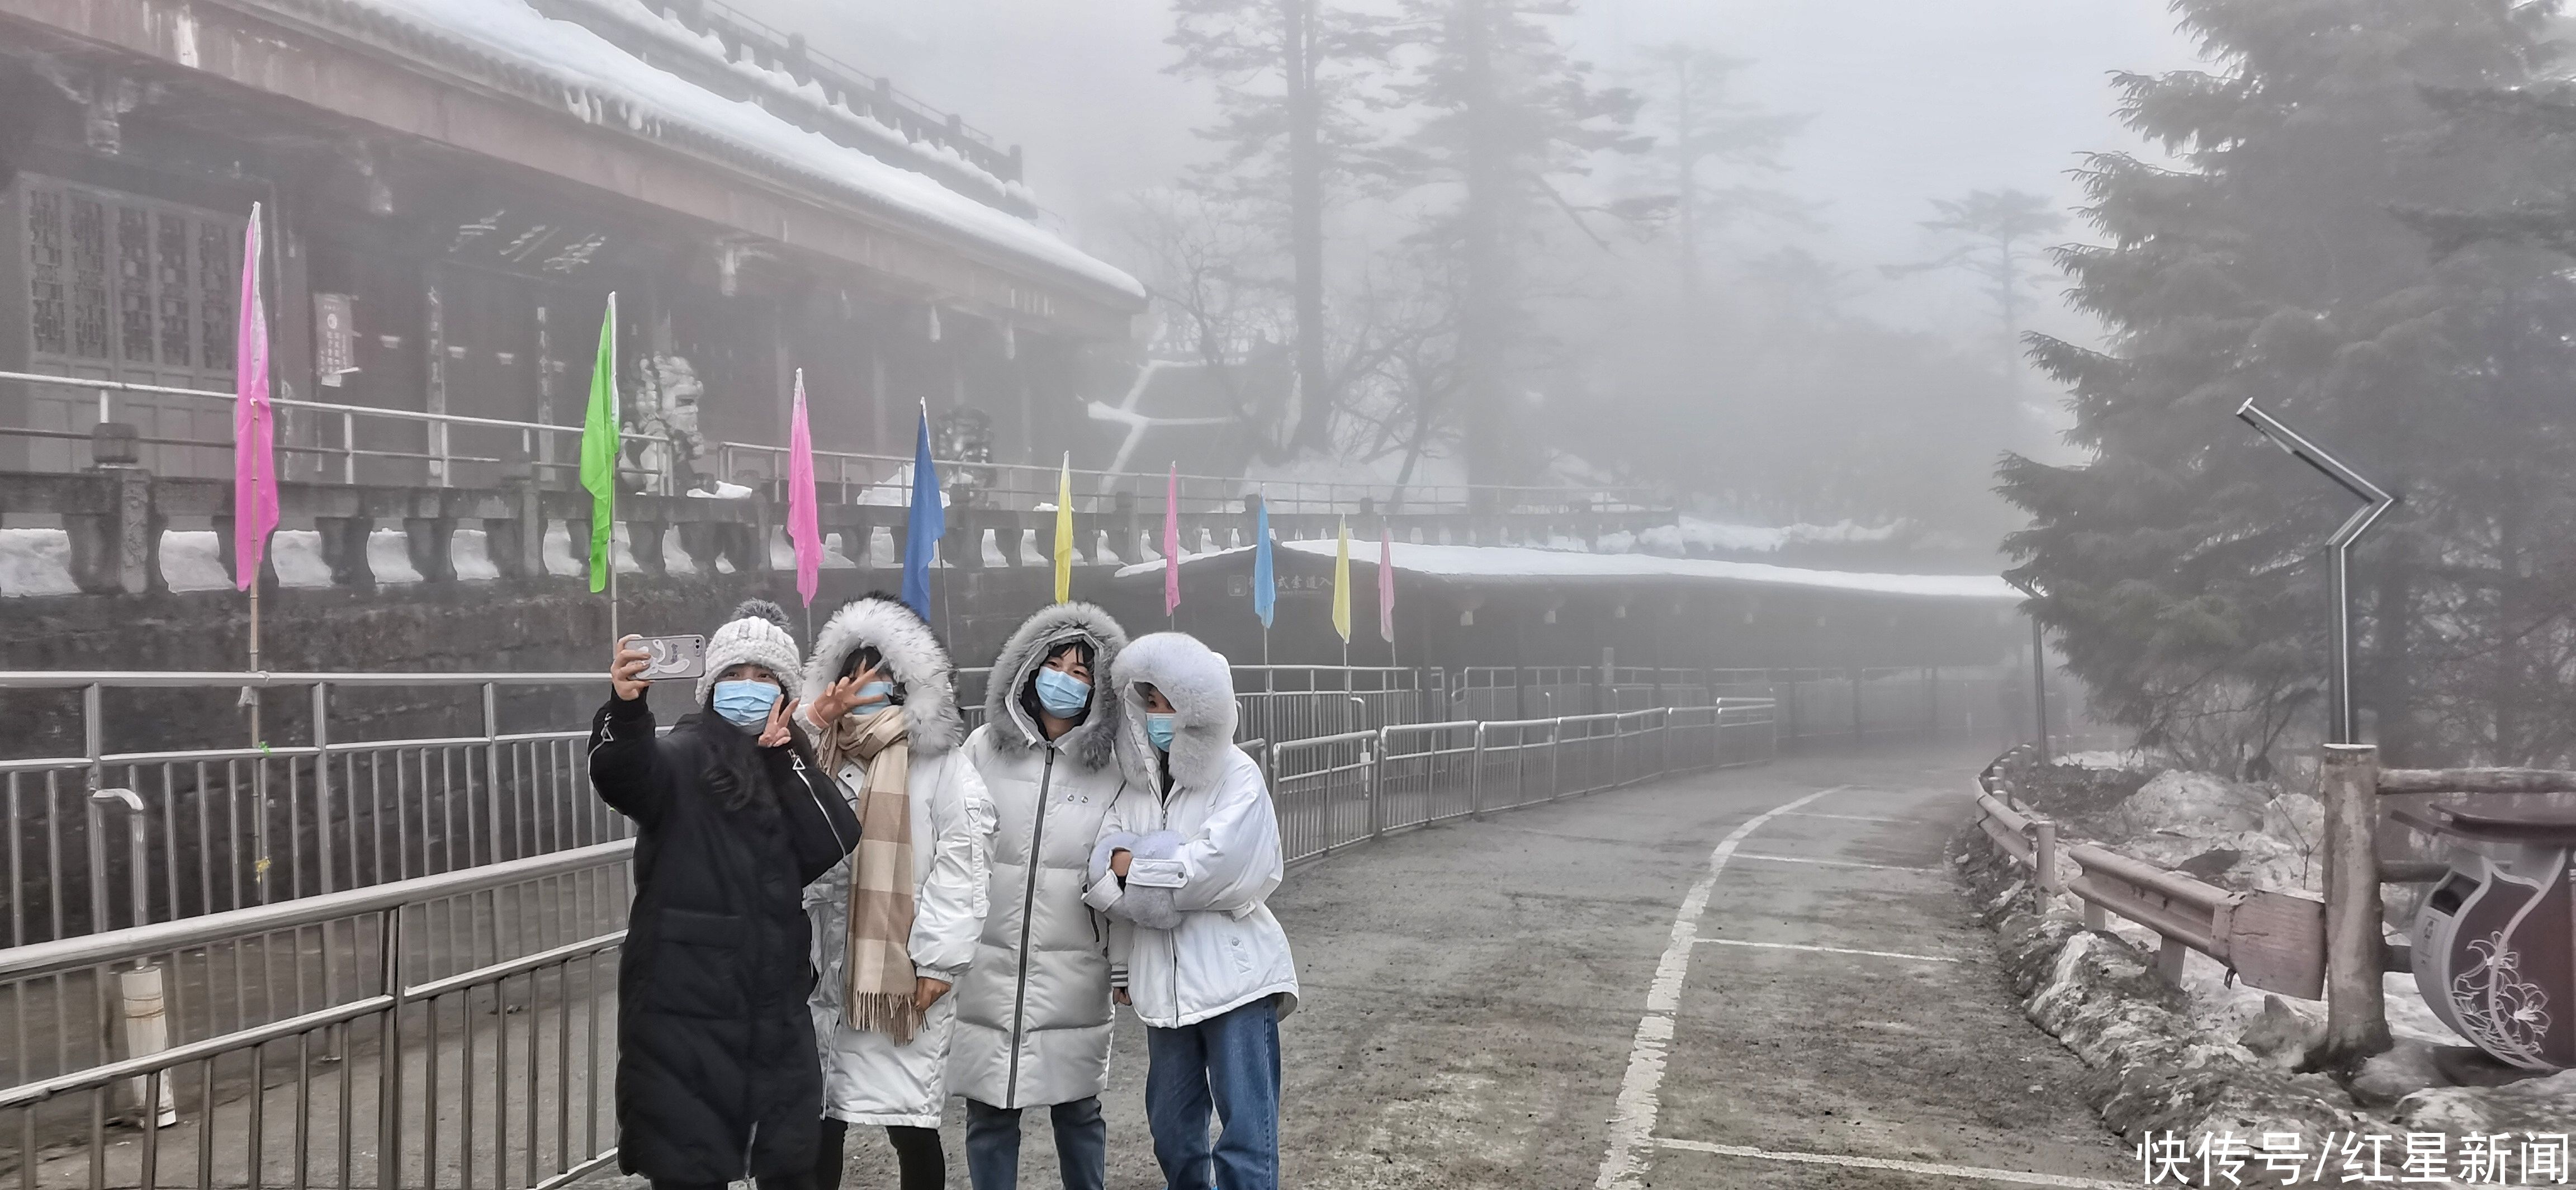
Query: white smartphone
pixel 672 657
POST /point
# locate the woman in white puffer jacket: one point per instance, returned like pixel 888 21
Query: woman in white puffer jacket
pixel 1188 857
pixel 1033 1013
pixel 879 692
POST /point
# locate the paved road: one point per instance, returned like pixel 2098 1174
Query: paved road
pixel 1483 999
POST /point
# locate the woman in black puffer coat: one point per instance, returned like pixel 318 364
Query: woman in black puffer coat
pixel 716 1074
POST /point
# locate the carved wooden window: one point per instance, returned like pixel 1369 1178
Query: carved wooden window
pixel 48 274
pixel 129 288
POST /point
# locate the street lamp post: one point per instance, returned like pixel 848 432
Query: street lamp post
pixel 2375 502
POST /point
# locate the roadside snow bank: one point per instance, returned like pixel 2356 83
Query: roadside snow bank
pixel 2212 1056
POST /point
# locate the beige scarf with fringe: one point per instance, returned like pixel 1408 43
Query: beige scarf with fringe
pixel 878 966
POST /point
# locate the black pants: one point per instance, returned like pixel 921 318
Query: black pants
pixel 917 1155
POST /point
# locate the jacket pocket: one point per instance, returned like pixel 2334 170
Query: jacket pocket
pixel 698 970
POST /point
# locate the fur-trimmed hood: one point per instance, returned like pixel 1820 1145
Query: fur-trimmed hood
pixel 911 650
pixel 1092 742
pixel 1200 685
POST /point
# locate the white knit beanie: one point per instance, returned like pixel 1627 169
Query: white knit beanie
pixel 756 635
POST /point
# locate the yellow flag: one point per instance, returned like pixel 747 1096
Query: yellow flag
pixel 1342 585
pixel 1064 531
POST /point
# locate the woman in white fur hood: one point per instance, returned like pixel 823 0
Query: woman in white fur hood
pixel 895 924
pixel 1188 857
pixel 1033 1015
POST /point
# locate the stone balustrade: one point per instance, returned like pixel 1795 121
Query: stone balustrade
pixel 114 517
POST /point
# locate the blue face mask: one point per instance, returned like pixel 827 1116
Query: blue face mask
pixel 1062 694
pixel 1158 728
pixel 873 697
pixel 745 703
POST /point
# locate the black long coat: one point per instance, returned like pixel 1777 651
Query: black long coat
pixel 716 1071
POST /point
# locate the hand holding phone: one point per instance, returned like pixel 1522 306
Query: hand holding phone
pixel 673 656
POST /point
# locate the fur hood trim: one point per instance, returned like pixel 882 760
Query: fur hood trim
pixel 1200 685
pixel 1092 742
pixel 911 650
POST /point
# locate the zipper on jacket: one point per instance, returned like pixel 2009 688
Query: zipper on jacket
pixel 1172 937
pixel 1028 909
pixel 807 780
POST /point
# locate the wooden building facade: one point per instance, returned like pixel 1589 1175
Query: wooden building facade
pixel 451 196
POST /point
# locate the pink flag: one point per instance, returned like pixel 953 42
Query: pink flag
pixel 1172 541
pixel 803 530
pixel 254 432
pixel 1385 586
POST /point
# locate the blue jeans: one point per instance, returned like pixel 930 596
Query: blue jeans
pixel 993 1145
pixel 1232 1063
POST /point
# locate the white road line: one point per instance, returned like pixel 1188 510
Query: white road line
pixel 1922 1167
pixel 1845 817
pixel 1632 1120
pixel 1877 954
pixel 1833 863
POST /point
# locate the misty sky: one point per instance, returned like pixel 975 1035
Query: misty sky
pixel 1912 99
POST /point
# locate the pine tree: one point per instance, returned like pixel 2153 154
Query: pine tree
pixel 1700 125
pixel 1511 117
pixel 2287 260
pixel 1287 75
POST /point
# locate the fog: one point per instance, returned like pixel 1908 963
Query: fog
pixel 1911 101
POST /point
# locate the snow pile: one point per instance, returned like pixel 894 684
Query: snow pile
pixel 2105 760
pixel 608 86
pixel 2236 835
pixel 1694 536
pixel 36 562
pixel 192 560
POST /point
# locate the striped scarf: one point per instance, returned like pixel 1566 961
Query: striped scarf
pixel 879 960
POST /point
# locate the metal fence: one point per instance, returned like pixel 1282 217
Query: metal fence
pixel 446 1007
pixel 123 838
pixel 1336 790
pixel 457 1040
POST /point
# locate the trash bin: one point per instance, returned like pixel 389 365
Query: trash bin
pixel 2495 944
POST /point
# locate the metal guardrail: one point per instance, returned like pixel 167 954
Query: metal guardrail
pixel 490 987
pixel 465 1057
pixel 2273 941
pixel 857 476
pixel 1337 790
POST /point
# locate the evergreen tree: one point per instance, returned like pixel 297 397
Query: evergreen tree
pixel 2001 234
pixel 1699 125
pixel 1287 76
pixel 1510 117
pixel 2287 260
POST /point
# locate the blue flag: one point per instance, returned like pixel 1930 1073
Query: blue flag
pixel 1265 585
pixel 923 527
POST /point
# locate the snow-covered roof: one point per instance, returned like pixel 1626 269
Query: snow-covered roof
pixel 1525 563
pixel 604 84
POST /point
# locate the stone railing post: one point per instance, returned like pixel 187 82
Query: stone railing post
pixel 344 549
pixel 116 547
pixel 430 541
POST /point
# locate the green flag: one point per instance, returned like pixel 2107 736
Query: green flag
pixel 599 449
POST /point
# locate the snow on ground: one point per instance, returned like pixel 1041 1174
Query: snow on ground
pixel 389 556
pixel 1513 561
pixel 296 556
pixel 610 86
pixel 192 560
pixel 469 553
pixel 1696 534
pixel 36 562
pixel 2125 760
